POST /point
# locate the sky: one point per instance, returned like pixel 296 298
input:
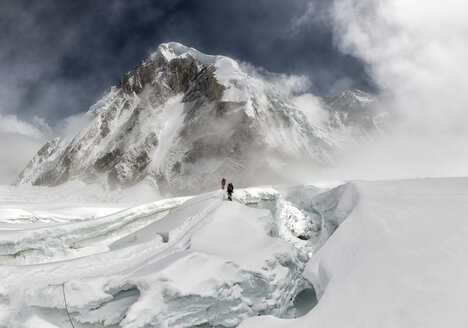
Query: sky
pixel 58 57
pixel 416 53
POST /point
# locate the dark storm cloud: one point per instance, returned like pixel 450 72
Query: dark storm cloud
pixel 58 57
pixel 271 34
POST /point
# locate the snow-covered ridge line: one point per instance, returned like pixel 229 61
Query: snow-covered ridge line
pixel 174 50
pixel 59 241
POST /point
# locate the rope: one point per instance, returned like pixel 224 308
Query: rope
pixel 217 304
pixel 66 306
pixel 216 314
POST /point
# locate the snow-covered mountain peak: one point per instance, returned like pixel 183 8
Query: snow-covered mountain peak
pixel 173 50
pixel 181 119
pixel 356 109
pixel 227 69
pixel 350 98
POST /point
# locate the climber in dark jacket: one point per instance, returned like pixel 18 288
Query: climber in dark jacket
pixel 230 190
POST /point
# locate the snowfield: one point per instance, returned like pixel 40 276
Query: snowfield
pixel 359 254
pixel 400 259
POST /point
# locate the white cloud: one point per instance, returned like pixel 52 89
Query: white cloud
pixel 11 124
pixel 310 106
pixel 20 140
pixel 294 86
pixel 16 150
pixel 289 84
pixel 71 125
pixel 416 51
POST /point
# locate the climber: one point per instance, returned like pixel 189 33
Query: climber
pixel 223 183
pixel 230 190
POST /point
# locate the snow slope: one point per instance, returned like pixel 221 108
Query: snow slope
pixel 168 263
pixel 399 260
pixel 375 254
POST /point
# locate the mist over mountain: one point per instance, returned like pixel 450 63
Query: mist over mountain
pixel 182 119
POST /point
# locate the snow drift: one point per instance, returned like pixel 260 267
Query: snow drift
pixel 398 260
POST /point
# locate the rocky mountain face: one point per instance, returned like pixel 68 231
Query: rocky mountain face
pixel 182 119
pixel 354 108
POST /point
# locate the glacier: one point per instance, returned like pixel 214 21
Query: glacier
pixel 355 254
pixel 177 262
pixel 398 260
